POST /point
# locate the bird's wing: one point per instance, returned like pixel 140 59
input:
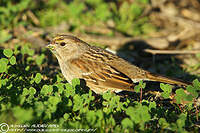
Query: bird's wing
pixel 103 75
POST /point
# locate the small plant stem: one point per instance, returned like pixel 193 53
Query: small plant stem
pixel 140 95
pixel 180 108
pixel 1 75
pixel 197 111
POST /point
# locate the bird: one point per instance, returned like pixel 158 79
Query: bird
pixel 101 70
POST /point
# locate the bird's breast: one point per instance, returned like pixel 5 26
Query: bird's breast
pixel 68 72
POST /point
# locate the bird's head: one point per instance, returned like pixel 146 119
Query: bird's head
pixel 67 46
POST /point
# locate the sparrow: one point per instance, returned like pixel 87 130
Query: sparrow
pixel 101 70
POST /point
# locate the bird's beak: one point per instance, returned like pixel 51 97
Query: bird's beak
pixel 50 46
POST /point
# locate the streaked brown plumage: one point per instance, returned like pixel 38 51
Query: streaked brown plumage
pixel 101 69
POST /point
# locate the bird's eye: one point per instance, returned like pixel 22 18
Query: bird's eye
pixel 62 44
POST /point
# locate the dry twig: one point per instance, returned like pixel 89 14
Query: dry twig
pixel 154 52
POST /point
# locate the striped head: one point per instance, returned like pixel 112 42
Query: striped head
pixel 67 46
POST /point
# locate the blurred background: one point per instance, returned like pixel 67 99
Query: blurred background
pixel 119 25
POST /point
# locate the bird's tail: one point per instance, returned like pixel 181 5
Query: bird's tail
pixel 159 78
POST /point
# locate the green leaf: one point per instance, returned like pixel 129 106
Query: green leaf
pixel 27 68
pixel 196 84
pixel 16 51
pixel 45 90
pixel 152 105
pixel 94 2
pixel 139 114
pixel 40 59
pixel 144 1
pixel 8 52
pixel 31 52
pixel 99 113
pixel 66 116
pixel 69 91
pixel 180 95
pixel 130 111
pixel 163 123
pixel 78 102
pixel 22 115
pixel 127 123
pixel 107 96
pixel 3 66
pixel 58 78
pixel 4 34
pixel 189 98
pixel 32 91
pixel 165 95
pixel 140 86
pixel 12 60
pixel 54 100
pixel 76 8
pixel 192 90
pixel 39 108
pixel 181 121
pixel 38 78
pixel 26 50
pixel 91 117
pixel 3 82
pixel 60 87
pixel 136 10
pixel 102 15
pixel 166 87
pixel 22 99
pixel 5 60
pixel 167 90
pixel 75 82
pixel 111 121
pixel 25 92
pixel 69 104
